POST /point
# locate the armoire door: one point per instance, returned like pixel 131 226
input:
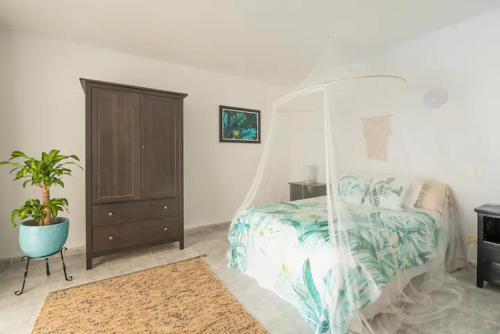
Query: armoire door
pixel 115 145
pixel 160 146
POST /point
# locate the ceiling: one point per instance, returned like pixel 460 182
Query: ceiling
pixel 278 41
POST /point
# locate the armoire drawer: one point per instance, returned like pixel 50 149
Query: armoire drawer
pixel 118 236
pixel 134 211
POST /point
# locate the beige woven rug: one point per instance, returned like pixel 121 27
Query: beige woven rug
pixel 183 297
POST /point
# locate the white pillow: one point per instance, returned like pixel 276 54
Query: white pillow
pixel 413 194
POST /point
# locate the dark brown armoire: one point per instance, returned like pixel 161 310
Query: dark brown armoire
pixel 134 162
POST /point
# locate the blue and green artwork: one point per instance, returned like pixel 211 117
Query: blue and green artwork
pixel 239 125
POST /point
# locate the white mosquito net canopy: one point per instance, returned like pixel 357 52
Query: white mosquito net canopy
pixel 362 250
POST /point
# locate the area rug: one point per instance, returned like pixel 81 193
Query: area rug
pixel 183 297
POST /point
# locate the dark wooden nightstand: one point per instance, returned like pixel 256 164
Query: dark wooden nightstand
pixel 303 190
pixel 488 244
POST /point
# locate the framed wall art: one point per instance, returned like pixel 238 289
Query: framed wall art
pixel 239 125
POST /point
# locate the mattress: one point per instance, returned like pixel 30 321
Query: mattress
pixel 286 248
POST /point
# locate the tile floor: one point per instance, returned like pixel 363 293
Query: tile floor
pixel 479 312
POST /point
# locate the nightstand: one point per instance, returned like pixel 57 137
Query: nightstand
pixel 303 190
pixel 488 244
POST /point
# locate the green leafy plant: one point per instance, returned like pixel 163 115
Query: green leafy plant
pixel 36 210
pixel 44 172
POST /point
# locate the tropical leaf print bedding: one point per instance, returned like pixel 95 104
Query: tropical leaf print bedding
pixel 286 247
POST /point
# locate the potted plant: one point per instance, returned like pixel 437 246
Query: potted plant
pixel 45 233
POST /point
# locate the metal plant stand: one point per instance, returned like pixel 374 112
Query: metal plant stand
pixel 47 269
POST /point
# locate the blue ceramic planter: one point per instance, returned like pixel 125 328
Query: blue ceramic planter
pixel 40 241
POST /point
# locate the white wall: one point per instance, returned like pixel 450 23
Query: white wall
pixel 39 87
pixel 43 108
pixel 464 133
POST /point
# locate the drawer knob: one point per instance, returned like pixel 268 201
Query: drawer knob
pixel 111 237
pixel 165 228
pixel 165 207
pixel 110 213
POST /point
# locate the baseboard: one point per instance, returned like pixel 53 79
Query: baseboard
pixel 81 249
pixel 18 259
pixel 205 227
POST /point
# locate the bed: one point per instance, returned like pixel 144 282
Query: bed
pixel 286 248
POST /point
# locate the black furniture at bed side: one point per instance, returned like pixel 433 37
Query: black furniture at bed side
pixel 303 190
pixel 488 244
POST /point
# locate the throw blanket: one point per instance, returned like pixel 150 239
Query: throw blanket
pixel 286 247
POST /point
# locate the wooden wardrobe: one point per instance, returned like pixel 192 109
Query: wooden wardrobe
pixel 134 178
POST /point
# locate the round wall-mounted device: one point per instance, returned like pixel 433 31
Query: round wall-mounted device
pixel 435 97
